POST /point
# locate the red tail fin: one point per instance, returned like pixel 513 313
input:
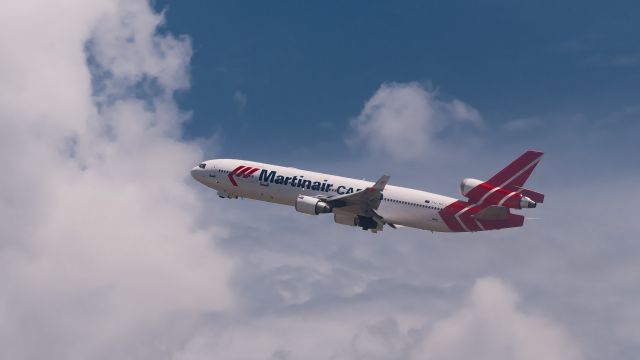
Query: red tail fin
pixel 517 173
pixel 505 187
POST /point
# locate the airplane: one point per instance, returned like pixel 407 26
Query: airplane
pixel 372 205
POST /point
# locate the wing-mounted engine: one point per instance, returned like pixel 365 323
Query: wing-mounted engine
pixel 311 205
pixel 481 192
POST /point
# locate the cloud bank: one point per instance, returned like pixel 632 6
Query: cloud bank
pixel 489 326
pixel 99 254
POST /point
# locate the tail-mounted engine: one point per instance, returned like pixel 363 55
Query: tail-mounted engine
pixel 513 197
pixel 312 206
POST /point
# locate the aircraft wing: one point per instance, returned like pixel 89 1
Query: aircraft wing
pixel 363 202
pixel 368 198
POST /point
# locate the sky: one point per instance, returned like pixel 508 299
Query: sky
pixel 108 249
pixel 263 70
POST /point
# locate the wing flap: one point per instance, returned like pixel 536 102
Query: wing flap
pixel 368 198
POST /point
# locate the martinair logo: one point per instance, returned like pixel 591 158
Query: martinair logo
pixel 241 171
pixel 272 177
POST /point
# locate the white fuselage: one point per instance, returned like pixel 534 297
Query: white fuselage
pixel 282 185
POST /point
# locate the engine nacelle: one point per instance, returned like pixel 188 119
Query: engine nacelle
pixel 312 206
pixel 526 203
pixel 468 184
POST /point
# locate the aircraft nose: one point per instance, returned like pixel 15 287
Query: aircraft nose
pixel 196 173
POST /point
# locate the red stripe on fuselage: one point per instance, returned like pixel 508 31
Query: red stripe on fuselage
pixel 496 197
pixel 492 195
pixel 479 191
pixel 468 220
pixel 448 215
pixel 232 173
pixel 241 172
pixel 250 172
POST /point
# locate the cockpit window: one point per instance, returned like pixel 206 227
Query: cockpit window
pixel 202 166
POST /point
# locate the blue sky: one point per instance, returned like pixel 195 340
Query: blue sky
pixel 304 69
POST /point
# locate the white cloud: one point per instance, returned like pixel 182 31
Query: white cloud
pixel 490 326
pixel 522 124
pixel 403 119
pixel 99 253
pixel 357 332
pixel 240 99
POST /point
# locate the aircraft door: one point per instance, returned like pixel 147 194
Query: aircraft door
pixel 214 174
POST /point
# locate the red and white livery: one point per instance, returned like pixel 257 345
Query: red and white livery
pixel 370 206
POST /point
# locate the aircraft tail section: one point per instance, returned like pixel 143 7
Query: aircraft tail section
pixel 506 187
pixel 533 195
pixel 517 173
pixel 462 216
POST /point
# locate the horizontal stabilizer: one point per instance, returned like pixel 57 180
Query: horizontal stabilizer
pixel 492 212
pixel 533 195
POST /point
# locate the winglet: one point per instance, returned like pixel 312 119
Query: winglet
pixel 381 183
